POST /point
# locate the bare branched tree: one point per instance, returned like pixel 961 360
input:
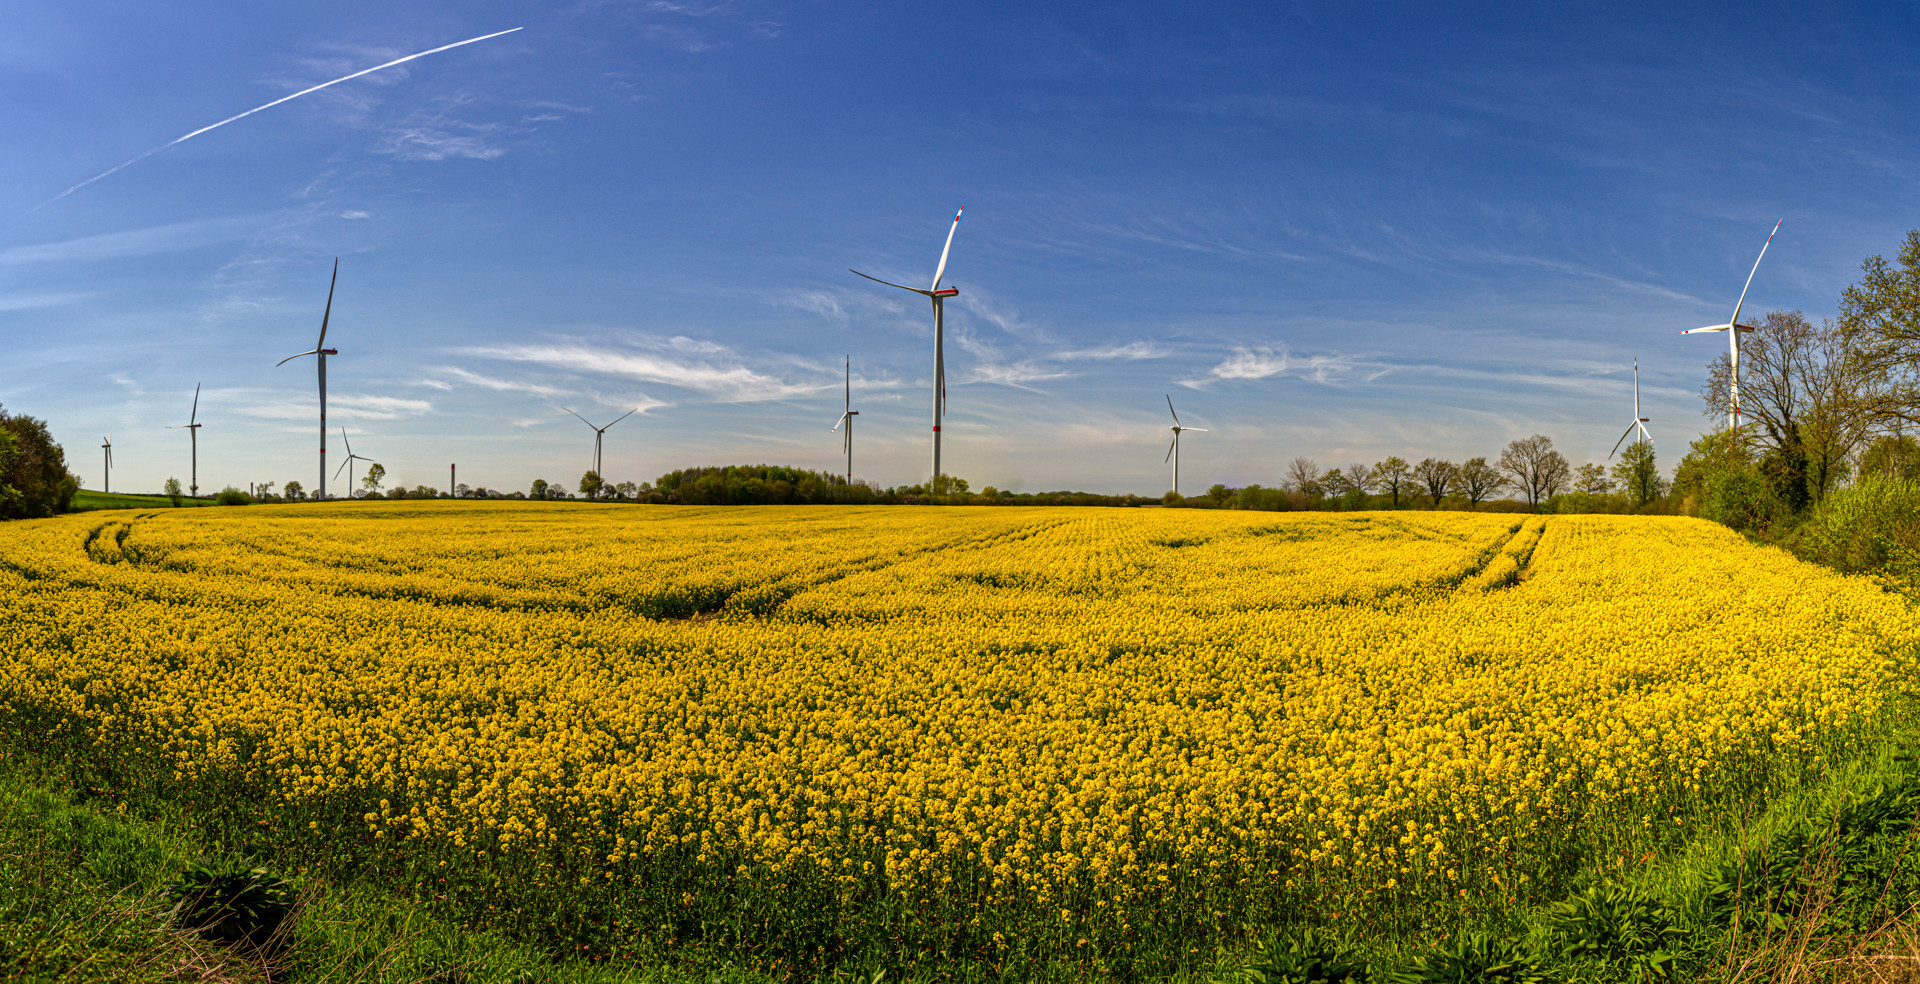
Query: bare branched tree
pixel 1535 468
pixel 1359 476
pixel 1815 401
pixel 1303 476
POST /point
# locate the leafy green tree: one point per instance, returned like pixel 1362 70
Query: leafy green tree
pixel 1219 494
pixel 1880 319
pixel 1437 477
pixel 1895 455
pixel 376 473
pixel 1479 480
pixel 1591 479
pixel 539 489
pixel 947 485
pixel 1391 476
pixel 34 481
pixel 172 491
pixel 591 484
pixel 1638 474
pixel 293 492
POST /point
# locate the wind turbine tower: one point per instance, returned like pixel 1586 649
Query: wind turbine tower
pixel 321 350
pixel 1173 450
pixel 1733 328
pixel 936 295
pixel 601 432
pixel 847 418
pixel 108 470
pixel 1638 421
pixel 192 427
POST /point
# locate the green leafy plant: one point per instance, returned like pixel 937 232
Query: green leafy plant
pixel 1306 959
pixel 234 906
pixel 1475 958
pixel 1619 928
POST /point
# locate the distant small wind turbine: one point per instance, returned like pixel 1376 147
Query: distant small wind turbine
pixel 1173 450
pixel 1733 328
pixel 847 418
pixel 351 458
pixel 192 427
pixel 320 349
pixel 936 295
pixel 600 432
pixel 108 470
pixel 1638 421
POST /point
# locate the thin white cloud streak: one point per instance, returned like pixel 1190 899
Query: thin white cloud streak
pixel 492 383
pixel 30 302
pixel 1266 362
pixel 1130 352
pixel 703 367
pixel 338 407
pixel 170 238
pixel 256 109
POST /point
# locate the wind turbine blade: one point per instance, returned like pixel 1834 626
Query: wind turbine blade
pixel 942 270
pixel 290 358
pixel 196 404
pixel 1176 414
pixel 1695 331
pixel 584 420
pixel 623 416
pixel 1202 430
pixel 1644 432
pixel 1756 269
pixel 1170 447
pixel 329 311
pixel 1622 440
pixel 343 466
pixel 837 422
pixel 343 440
pixel 890 283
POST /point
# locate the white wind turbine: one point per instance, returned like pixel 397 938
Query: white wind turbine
pixel 320 349
pixel 351 458
pixel 847 418
pixel 1173 450
pixel 1733 328
pixel 936 295
pixel 600 432
pixel 192 427
pixel 108 470
pixel 1638 421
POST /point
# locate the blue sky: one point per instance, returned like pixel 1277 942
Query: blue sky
pixel 1416 229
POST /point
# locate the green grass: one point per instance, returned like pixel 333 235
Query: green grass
pixel 86 500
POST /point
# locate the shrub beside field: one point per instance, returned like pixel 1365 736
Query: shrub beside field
pixel 1008 739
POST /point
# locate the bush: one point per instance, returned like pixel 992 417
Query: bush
pixel 1871 526
pixel 1620 929
pixel 247 906
pixel 231 496
pixel 1304 960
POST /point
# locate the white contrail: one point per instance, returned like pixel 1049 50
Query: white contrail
pixel 270 105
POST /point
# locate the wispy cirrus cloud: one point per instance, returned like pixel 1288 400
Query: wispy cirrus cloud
pixel 253 403
pixel 173 237
pixel 1130 352
pixel 452 374
pixel 1268 361
pixel 708 368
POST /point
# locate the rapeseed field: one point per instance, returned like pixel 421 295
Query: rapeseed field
pixel 975 732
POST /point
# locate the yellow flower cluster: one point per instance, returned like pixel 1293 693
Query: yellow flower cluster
pixel 949 712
